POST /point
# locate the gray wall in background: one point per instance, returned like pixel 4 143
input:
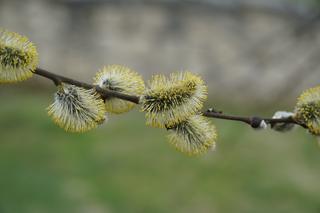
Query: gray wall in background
pixel 260 51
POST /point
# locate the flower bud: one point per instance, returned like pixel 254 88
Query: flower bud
pixel 307 110
pixel 169 101
pixel 76 109
pixel 18 57
pixel 194 136
pixel 282 127
pixel 121 79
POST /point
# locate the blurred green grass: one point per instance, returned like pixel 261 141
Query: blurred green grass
pixel 124 166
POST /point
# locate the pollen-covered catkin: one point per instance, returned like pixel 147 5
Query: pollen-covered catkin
pixel 18 57
pixel 307 110
pixel 121 79
pixel 194 136
pixel 76 109
pixel 169 101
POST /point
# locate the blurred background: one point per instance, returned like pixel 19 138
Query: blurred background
pixel 256 56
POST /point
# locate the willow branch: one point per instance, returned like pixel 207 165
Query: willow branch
pixel 253 121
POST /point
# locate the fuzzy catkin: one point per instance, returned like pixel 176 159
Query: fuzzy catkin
pixel 307 110
pixel 169 101
pixel 76 109
pixel 121 79
pixel 194 136
pixel 18 57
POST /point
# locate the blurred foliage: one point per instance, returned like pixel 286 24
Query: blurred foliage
pixel 309 2
pixel 124 166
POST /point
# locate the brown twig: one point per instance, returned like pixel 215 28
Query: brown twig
pixel 253 121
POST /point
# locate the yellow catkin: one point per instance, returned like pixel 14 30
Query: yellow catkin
pixel 307 110
pixel 76 109
pixel 194 136
pixel 121 79
pixel 18 57
pixel 169 101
